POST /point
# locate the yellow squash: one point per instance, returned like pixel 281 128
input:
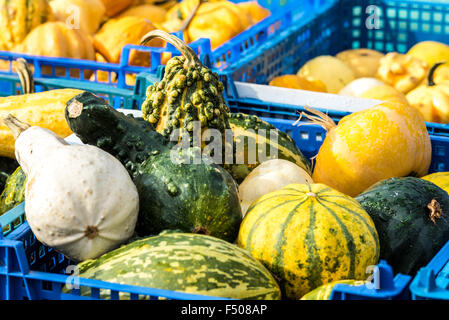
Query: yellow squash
pixel 388 140
pixel 441 179
pixel 324 292
pixel 154 14
pixel 19 17
pixel 432 100
pixel 43 109
pixel 116 33
pixel 293 81
pixel 113 7
pixel 333 72
pixel 430 51
pixel 363 62
pixel 88 14
pixel 218 21
pixel 56 39
pixel 404 72
pixel 308 235
pixel 256 11
pixel 385 93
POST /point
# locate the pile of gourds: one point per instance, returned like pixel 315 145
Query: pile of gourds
pixel 98 29
pixel 296 229
pixel 419 78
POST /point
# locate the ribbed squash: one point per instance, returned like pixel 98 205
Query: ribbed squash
pixel 116 33
pixel 14 192
pixel 60 41
pixel 388 140
pixel 188 94
pixel 324 292
pixel 309 235
pixel 114 7
pixel 89 15
pixel 441 179
pixel 259 147
pixel 18 18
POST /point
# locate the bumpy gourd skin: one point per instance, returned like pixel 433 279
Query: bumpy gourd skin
pixel 14 191
pixel 186 94
pixel 199 198
pixel 408 237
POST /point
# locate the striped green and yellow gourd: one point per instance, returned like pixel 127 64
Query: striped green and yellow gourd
pixel 309 235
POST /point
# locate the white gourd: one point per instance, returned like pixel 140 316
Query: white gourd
pixel 270 176
pixel 79 199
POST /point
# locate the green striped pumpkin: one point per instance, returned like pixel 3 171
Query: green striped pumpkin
pixel 241 125
pixel 309 235
pixel 192 263
pixel 324 292
pixel 14 192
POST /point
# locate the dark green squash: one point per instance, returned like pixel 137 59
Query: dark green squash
pixel 14 192
pixel 411 216
pixel 197 197
pixel 187 93
pixel 248 130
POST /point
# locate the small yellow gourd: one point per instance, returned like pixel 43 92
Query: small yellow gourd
pixel 363 62
pixel 388 140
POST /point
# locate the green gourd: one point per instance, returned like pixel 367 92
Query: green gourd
pixel 178 189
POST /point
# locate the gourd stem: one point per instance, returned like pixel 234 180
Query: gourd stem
pixel 435 210
pixel 15 125
pixel 430 80
pixel 321 119
pixel 186 51
pixel 25 76
pixel 189 19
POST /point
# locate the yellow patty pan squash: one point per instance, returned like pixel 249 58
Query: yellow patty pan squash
pixel 432 100
pixel 116 33
pixel 113 7
pixel 363 62
pixel 293 81
pixel 19 17
pixel 430 51
pixel 308 235
pixel 404 72
pixel 331 71
pixel 91 13
pixel 56 39
pixel 388 140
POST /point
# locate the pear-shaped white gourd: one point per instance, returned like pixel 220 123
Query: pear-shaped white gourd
pixel 270 176
pixel 79 199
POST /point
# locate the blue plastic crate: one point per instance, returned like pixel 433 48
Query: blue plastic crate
pixel 331 28
pixel 30 270
pixel 432 281
pixel 284 13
